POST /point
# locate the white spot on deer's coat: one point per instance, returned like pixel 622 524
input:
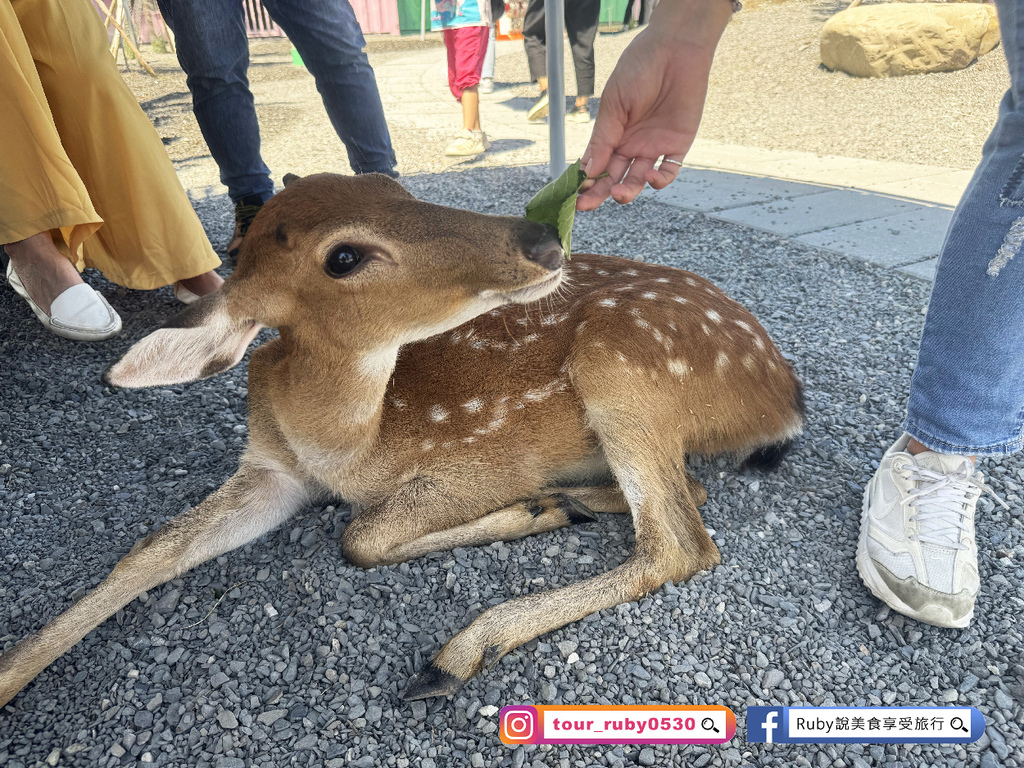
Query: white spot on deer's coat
pixel 691 282
pixel 529 339
pixel 678 367
pixel 744 325
pixel 438 413
pixel 469 439
pixel 759 343
pixel 581 266
pixel 608 302
pixel 641 323
pixel 494 313
pixel 704 327
pixel 679 299
pixel 601 272
pixel 427 445
pixel 672 325
pixel 541 393
pixel 474 405
pixel 662 280
pixel 630 272
pixel 648 295
pixel 749 363
pixel 399 404
pixel 721 361
pixel 479 344
pixel 713 316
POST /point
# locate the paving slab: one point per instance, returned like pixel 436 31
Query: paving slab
pixel 893 241
pixel 944 188
pixel 706 191
pixel 812 213
pixel 922 269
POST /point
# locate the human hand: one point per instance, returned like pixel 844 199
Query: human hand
pixel 651 106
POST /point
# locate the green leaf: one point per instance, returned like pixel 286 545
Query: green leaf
pixel 555 204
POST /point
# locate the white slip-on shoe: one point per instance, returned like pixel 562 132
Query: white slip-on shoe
pixel 79 313
pixel 917 552
pixel 184 295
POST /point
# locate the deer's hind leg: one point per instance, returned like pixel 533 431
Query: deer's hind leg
pixel 672 544
pixel 609 499
pixel 427 516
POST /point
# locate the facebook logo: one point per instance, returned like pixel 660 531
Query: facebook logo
pixel 764 725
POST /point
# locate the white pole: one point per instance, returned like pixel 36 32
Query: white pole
pixel 423 20
pixel 554 28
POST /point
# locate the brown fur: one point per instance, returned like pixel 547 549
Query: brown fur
pixel 448 417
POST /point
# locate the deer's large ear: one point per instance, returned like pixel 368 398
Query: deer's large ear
pixel 201 341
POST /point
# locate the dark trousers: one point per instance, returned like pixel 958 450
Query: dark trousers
pixel 214 52
pixel 581 18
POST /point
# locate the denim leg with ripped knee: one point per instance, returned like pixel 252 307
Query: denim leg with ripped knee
pixel 967 393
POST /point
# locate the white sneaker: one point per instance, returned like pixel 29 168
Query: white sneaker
pixel 467 144
pixel 917 551
pixel 580 115
pixel 486 85
pixel 539 110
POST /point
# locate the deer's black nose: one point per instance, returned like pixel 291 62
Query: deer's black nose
pixel 545 248
pixel 547 254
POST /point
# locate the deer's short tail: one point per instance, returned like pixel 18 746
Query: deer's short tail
pixel 767 458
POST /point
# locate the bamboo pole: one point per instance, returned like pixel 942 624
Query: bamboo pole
pixel 124 37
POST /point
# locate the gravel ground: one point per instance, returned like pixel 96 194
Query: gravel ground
pixel 281 653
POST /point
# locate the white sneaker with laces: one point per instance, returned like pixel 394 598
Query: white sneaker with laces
pixel 917 551
pixel 467 144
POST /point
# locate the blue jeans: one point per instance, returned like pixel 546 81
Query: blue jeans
pixel 213 50
pixel 967 393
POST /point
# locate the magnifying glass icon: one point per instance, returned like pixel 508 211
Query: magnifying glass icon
pixel 709 725
pixel 957 723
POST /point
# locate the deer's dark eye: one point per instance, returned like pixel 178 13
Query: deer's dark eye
pixel 342 260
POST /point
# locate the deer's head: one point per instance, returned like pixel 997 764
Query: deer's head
pixel 350 262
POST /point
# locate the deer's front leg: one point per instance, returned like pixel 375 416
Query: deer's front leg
pixel 258 498
pixel 671 541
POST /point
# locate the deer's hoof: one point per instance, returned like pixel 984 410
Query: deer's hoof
pixel 575 510
pixel 432 681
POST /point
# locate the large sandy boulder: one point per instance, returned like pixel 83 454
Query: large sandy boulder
pixel 905 39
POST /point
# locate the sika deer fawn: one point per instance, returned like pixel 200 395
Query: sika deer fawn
pixel 417 378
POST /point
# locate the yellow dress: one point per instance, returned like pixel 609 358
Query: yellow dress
pixel 79 157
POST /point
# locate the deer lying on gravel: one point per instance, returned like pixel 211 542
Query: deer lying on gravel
pixel 418 378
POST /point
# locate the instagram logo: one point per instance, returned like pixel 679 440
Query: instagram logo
pixel 518 725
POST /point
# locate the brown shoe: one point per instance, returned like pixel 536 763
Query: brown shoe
pixel 245 211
